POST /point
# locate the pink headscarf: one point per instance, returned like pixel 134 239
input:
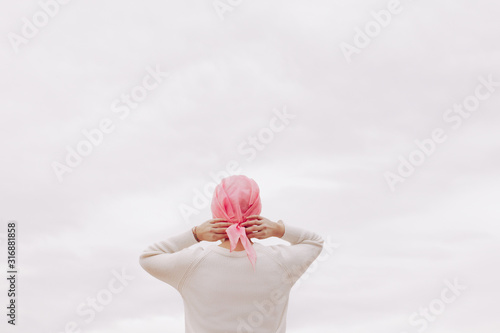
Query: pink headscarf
pixel 236 198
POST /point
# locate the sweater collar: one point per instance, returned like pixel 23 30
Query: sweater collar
pixel 227 252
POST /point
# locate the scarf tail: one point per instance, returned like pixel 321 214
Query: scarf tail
pixel 235 233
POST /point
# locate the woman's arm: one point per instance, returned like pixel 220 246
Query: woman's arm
pixel 305 248
pixel 305 245
pixel 168 260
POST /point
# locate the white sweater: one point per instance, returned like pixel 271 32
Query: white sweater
pixel 221 291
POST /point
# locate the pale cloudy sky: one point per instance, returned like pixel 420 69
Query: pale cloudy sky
pixel 221 83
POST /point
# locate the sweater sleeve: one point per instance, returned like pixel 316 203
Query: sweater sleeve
pixel 168 260
pixel 305 246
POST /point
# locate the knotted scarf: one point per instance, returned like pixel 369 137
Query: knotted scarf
pixel 236 198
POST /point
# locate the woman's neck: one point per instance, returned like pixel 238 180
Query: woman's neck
pixel 227 245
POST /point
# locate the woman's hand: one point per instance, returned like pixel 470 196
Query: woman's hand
pixel 212 230
pixel 260 227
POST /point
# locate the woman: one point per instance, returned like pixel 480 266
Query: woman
pixel 222 291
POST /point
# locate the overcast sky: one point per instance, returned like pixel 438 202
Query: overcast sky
pixel 373 123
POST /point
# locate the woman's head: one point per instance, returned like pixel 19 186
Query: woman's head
pixel 236 198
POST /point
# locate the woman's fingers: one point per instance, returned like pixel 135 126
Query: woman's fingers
pixel 257 217
pixel 251 223
pixel 222 225
pixel 213 221
pixel 255 228
pixel 258 235
pixel 220 228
